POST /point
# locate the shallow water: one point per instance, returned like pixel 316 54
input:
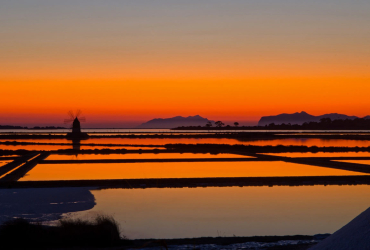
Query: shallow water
pixel 43 204
pixel 57 147
pixel 135 141
pixel 313 142
pixel 135 130
pixel 229 211
pixel 3 162
pixel 196 212
pixel 93 171
pixel 142 156
pixel 323 154
pixel 365 162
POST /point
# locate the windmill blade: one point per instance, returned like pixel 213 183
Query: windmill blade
pixel 70 113
pixel 66 121
pixel 78 113
pixel 82 119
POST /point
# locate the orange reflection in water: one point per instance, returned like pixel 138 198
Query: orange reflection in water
pixel 312 142
pixel 323 154
pixel 56 147
pixel 2 162
pixel 228 211
pixel 146 141
pixel 176 170
pixel 143 156
pixel 365 162
pixel 34 147
pixel 136 141
pixel 156 141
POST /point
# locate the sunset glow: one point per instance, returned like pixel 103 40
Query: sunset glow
pixel 131 61
pixel 204 124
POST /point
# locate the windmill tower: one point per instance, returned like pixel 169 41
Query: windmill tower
pixel 76 126
pixel 76 120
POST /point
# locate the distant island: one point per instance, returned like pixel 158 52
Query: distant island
pixel 296 121
pixel 177 121
pixel 301 118
pixel 323 124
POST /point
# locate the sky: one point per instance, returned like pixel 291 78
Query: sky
pixel 123 62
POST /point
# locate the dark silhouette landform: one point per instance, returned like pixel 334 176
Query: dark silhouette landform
pixel 191 148
pixel 103 232
pixel 176 122
pixel 301 118
pixel 322 124
pixel 295 121
pixel 33 128
pixel 12 138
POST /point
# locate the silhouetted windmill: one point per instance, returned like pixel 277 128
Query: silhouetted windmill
pixel 75 120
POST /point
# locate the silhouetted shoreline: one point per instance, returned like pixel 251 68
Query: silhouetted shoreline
pixel 36 127
pixel 323 124
pixel 104 232
pixel 195 148
pixel 241 136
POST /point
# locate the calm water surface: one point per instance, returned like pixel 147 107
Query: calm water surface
pixel 126 141
pixel 365 162
pixel 324 154
pixel 228 211
pixel 3 162
pixel 134 130
pixel 93 171
pixel 142 156
pixel 57 147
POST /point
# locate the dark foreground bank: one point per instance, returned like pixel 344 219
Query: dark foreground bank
pixel 104 233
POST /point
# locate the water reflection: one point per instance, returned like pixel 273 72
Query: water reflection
pixel 365 162
pixel 42 204
pixel 147 141
pixel 2 162
pixel 323 154
pixel 93 171
pixel 76 144
pixel 313 142
pixel 143 156
pixel 67 146
pixel 247 211
pixel 34 147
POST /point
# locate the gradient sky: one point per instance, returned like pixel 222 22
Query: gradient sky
pixel 123 62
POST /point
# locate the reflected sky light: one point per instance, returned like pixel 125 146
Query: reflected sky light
pixel 94 171
pixel 246 211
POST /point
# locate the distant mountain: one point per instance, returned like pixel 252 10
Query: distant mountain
pixel 174 122
pixel 300 118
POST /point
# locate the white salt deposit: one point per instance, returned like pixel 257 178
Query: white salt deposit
pixel 43 204
pixel 355 235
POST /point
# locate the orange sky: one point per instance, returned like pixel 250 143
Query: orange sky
pixel 125 64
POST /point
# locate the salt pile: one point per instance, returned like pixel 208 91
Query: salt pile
pixel 354 235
